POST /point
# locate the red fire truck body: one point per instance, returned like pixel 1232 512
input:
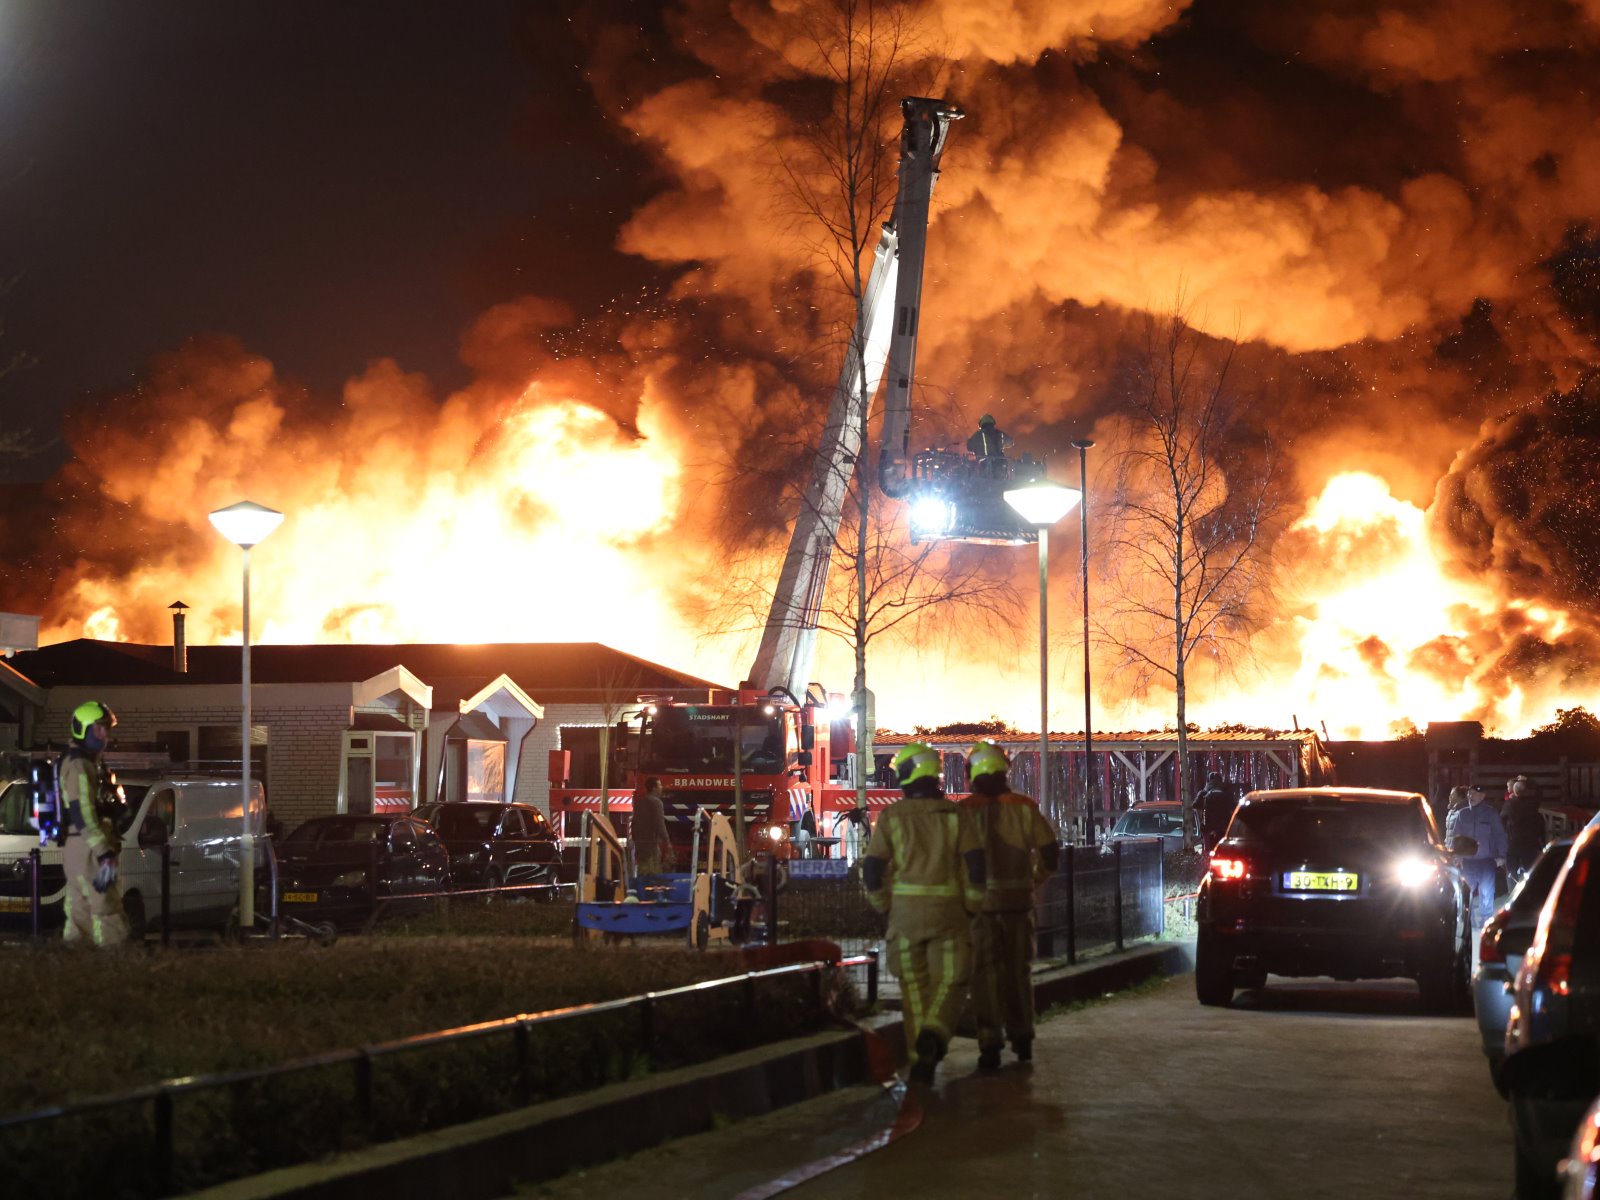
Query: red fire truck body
pixel 789 777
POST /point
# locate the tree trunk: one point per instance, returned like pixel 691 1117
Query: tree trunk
pixel 605 771
pixel 1180 653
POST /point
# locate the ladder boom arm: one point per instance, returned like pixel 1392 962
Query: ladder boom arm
pixel 884 333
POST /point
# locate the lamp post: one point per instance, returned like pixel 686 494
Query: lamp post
pixel 1082 445
pixel 245 524
pixel 1041 505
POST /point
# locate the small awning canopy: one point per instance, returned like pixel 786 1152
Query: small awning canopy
pixel 371 722
pixel 13 680
pixel 502 698
pixel 395 679
pixel 474 727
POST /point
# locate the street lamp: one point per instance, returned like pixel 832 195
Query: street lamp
pixel 245 524
pixel 1082 446
pixel 1042 504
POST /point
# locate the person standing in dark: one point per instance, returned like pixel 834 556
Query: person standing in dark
pixel 1480 824
pixel 1524 825
pixel 990 444
pixel 652 844
pixel 1214 805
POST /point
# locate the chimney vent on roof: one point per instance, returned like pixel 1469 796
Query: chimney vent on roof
pixel 180 643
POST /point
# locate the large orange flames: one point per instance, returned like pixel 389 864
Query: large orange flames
pixel 1399 291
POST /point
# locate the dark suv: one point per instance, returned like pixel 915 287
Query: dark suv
pixel 1552 1064
pixel 1347 882
pixel 491 844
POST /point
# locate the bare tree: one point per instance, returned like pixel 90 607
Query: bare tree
pixel 617 696
pixel 1186 556
pixel 841 173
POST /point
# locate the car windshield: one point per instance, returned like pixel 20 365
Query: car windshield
pixel 1148 824
pixel 1328 824
pixel 466 820
pixel 337 831
pixel 16 808
pixel 1532 891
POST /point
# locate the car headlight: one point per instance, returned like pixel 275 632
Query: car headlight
pixel 1414 872
pixel 357 878
pixel 777 832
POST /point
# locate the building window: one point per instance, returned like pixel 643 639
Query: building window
pixel 218 750
pixel 583 741
pixel 395 771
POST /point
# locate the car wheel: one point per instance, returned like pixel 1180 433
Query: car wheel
pixel 133 910
pixel 1213 975
pixel 1531 1182
pixel 702 931
pixel 493 882
pixel 1251 980
pixel 1437 986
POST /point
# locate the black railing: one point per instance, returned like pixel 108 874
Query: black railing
pixel 1100 898
pixel 159 1100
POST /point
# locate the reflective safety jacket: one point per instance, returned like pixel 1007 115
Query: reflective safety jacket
pixel 81 780
pixel 924 867
pixel 1018 844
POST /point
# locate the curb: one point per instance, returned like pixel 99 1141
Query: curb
pixel 492 1156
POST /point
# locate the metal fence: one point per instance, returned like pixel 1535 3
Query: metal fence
pixel 1101 898
pixel 202 1129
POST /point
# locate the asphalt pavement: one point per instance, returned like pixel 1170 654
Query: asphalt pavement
pixel 1306 1089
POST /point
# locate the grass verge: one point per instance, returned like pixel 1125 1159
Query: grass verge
pixel 109 1021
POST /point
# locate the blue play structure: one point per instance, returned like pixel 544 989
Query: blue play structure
pixel 697 905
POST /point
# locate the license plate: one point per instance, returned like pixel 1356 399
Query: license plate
pixel 15 904
pixel 299 897
pixel 1320 881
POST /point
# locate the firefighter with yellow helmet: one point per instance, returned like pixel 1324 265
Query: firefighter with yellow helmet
pixel 93 900
pixel 1020 852
pixel 924 868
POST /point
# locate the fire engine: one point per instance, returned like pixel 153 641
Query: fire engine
pixel 778 754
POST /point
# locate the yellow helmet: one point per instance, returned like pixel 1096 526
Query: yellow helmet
pixel 917 760
pixel 91 712
pixel 985 758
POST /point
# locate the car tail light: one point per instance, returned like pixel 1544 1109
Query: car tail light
pixel 1227 868
pixel 1557 972
pixel 1552 947
pixel 1489 952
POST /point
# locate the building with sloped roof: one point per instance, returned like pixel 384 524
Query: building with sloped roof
pixel 1131 767
pixel 349 728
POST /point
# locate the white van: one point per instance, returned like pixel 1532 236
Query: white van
pixel 198 817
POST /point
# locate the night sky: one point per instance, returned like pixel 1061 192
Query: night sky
pixel 329 182
pixel 434 278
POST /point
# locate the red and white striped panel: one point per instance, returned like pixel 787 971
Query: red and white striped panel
pixel 564 799
pixel 837 800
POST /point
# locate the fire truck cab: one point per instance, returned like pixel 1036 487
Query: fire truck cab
pixel 755 757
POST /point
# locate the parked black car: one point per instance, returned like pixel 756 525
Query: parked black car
pixel 491 844
pixel 1502 944
pixel 337 868
pixel 1552 1065
pixel 1347 882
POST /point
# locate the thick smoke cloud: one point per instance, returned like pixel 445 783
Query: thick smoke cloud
pixel 1519 505
pixel 1389 204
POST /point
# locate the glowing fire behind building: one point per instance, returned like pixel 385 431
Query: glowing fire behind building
pixel 1412 304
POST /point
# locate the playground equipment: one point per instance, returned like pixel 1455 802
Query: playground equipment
pixel 615 901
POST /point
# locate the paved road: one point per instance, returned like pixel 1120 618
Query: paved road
pixel 1304 1090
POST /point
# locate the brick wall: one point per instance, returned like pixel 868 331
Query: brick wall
pixel 533 773
pixel 305 730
